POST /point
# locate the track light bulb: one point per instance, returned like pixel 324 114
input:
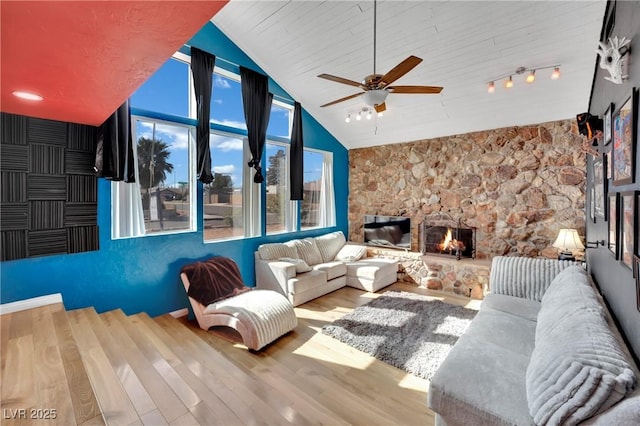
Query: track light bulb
pixel 556 73
pixel 380 114
pixel 492 87
pixel 359 116
pixel 369 115
pixel 509 83
pixel 531 77
pixel 348 119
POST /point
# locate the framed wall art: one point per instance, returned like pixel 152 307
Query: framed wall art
pixel 636 275
pixel 598 184
pixel 607 125
pixel 613 224
pixel 623 142
pixel 606 159
pixel 627 227
pixel 592 204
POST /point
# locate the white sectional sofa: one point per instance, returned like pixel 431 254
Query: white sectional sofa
pixel 543 350
pixel 303 269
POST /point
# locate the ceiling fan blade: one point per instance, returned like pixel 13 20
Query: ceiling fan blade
pixel 341 80
pixel 401 69
pixel 380 108
pixel 346 98
pixel 415 89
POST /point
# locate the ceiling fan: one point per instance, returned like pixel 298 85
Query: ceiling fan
pixel 377 86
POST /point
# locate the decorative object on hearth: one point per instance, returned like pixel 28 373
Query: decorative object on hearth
pixel 409 331
pixel 377 86
pixel 530 78
pixel 614 58
pixel 624 142
pixel 567 240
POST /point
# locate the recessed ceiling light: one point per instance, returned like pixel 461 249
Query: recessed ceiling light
pixel 26 95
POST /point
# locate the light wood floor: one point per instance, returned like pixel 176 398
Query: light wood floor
pixel 83 368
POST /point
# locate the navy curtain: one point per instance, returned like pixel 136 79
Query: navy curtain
pixel 114 150
pixel 296 160
pixel 256 100
pixel 202 64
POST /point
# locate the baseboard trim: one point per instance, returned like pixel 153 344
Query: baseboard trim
pixel 180 313
pixel 35 302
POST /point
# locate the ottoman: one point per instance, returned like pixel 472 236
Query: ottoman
pixel 371 274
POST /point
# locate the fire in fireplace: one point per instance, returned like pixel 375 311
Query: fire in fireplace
pixel 448 241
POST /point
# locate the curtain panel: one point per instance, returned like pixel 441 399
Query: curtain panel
pixel 114 148
pixel 202 64
pixel 297 149
pixel 256 101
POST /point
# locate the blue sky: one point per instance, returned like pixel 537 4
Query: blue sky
pixel 167 91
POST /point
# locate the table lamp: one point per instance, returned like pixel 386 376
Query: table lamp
pixel 568 239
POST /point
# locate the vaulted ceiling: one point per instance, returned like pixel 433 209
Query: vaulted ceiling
pixel 464 45
pixel 85 58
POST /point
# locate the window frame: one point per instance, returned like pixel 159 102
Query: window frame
pixel 327 157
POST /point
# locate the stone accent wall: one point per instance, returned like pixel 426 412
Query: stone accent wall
pixel 517 186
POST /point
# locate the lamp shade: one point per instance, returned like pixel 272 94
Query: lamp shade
pixel 568 239
pixel 375 97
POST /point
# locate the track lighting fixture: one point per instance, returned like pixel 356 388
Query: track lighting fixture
pixel 359 116
pixel 531 76
pixel 348 119
pixel 366 112
pixel 369 115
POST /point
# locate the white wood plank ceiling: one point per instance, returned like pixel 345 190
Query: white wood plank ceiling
pixel 464 45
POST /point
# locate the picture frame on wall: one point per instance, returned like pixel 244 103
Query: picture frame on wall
pixel 598 184
pixel 627 219
pixel 636 275
pixel 592 204
pixel 606 159
pixel 624 135
pixel 613 224
pixel 607 124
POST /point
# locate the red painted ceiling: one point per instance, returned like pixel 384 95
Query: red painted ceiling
pixel 86 57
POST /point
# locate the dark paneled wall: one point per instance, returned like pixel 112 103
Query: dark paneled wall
pixel 49 190
pixel 614 279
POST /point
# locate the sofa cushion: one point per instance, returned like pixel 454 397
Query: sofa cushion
pixel 482 380
pixel 300 264
pixel 307 281
pixel 274 251
pixel 333 269
pixel 330 244
pixel 308 250
pixel 525 308
pixel 578 368
pixel 351 253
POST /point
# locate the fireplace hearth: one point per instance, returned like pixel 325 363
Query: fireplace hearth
pixel 450 240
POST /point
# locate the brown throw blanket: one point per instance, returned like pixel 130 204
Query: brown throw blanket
pixel 213 280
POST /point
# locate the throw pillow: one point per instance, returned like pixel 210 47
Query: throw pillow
pixel 308 251
pixel 351 253
pixel 301 265
pixel 330 244
pixel 275 251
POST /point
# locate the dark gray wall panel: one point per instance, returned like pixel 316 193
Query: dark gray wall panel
pixel 46 159
pixel 14 158
pixel 14 217
pixel 82 238
pixel 46 215
pixel 84 214
pixel 79 163
pixel 82 189
pixel 47 132
pixel 14 129
pixel 14 245
pixel 14 187
pixel 43 187
pixel 52 241
pixel 81 137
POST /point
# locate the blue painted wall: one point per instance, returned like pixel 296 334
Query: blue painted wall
pixel 141 274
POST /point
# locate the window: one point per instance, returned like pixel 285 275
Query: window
pixel 318 204
pixel 167 91
pixel 280 120
pixel 279 208
pixel 226 100
pixel 164 184
pixel 231 203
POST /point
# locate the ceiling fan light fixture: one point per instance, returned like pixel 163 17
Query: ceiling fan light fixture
pixel 491 87
pixel 368 114
pixel 380 114
pixel 359 116
pixel 375 97
pixel 556 73
pixel 348 119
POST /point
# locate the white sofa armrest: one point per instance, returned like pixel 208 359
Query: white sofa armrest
pixel 274 274
pixel 524 277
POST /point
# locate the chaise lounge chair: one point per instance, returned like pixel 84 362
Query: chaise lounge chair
pixel 219 298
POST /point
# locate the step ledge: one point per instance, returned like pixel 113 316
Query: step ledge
pixel 180 313
pixel 35 302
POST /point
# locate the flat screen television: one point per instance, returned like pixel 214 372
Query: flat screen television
pixel 387 231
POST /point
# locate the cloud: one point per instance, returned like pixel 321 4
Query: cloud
pixel 221 82
pixel 224 143
pixel 226 169
pixel 217 101
pixel 176 137
pixel 231 123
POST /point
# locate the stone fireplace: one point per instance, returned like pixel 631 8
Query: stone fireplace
pixel 450 241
